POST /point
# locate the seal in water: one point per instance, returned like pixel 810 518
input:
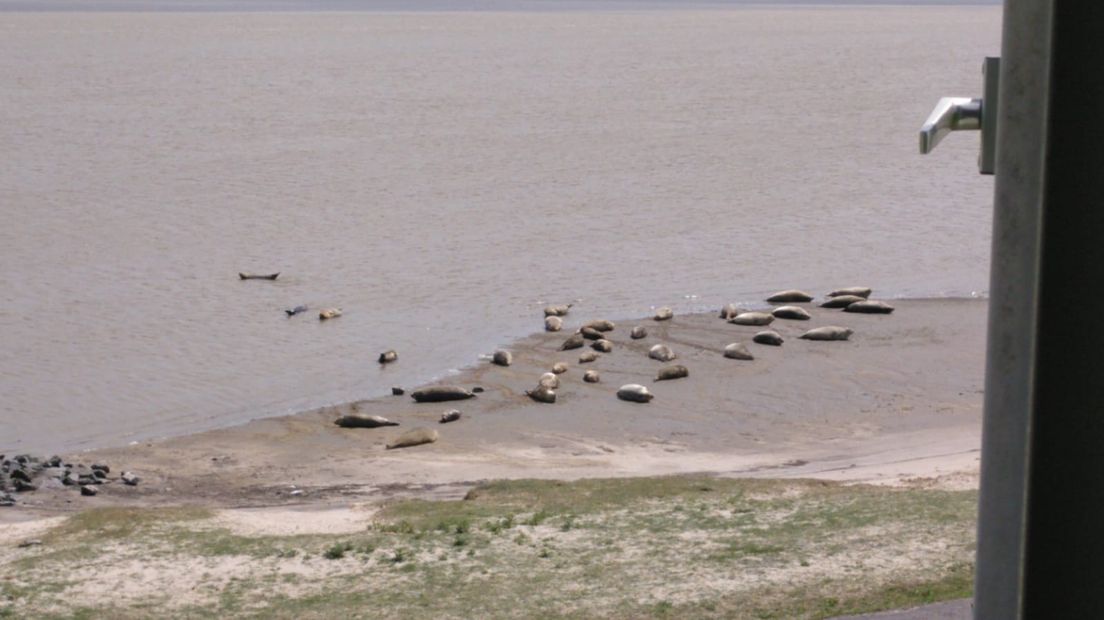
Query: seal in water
pixel 414 437
pixel 603 345
pixel 502 358
pixel 768 337
pixel 329 313
pixel 828 332
pixel 842 301
pixel 359 420
pixel 560 310
pixel 450 416
pixel 664 314
pixel 857 291
pixel 730 311
pixel 602 325
pixel 388 356
pixel 790 312
pixel 549 380
pixel 639 332
pixel 440 393
pixel 590 333
pixel 662 353
pixel 635 392
pixel 397 391
pixel 591 376
pixel 869 307
pixel 296 310
pixel 676 371
pixel 258 276
pixel 542 394
pixel 553 323
pixel 752 318
pixel 737 351
pixel 588 357
pixel 477 390
pixel 559 368
pixel 790 296
pixel 574 342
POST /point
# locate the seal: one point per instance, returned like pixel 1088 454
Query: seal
pixel 450 416
pixel 542 394
pixel 790 312
pixel 245 275
pixel 603 345
pixel 790 296
pixel 841 301
pixel 574 342
pixel 752 318
pixel 768 337
pixel 502 358
pixel 639 332
pixel 737 351
pixel 828 332
pixel 477 390
pixel 359 420
pixel 553 323
pixel 414 437
pixel 388 356
pixel 559 368
pixel 329 313
pixel 560 310
pixel 676 371
pixel 441 393
pixel 549 380
pixel 601 325
pixel 591 376
pixel 662 353
pixel 869 307
pixel 664 314
pixel 730 311
pixel 588 357
pixel 397 391
pixel 857 291
pixel 296 310
pixel 634 392
pixel 590 333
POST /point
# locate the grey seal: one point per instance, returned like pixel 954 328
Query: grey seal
pixel 559 310
pixel 768 337
pixel 677 371
pixel 790 296
pixel 664 314
pixel 639 332
pixel 388 356
pixel 634 392
pixel 450 416
pixel 842 301
pixel 542 394
pixel 588 357
pixel 603 345
pixel 359 420
pixel 590 333
pixel 329 313
pixel 502 358
pixel 601 325
pixel 591 376
pixel 752 318
pixel 857 291
pixel 790 312
pixel 414 437
pixel 574 342
pixel 869 307
pixel 662 353
pixel 441 393
pixel 553 323
pixel 738 351
pixel 549 380
pixel 296 310
pixel 828 332
pixel 559 368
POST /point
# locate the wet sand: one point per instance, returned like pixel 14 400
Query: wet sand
pixel 900 401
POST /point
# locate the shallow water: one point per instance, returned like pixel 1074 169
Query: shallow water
pixel 440 177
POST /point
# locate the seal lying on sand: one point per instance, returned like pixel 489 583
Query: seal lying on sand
pixel 664 314
pixel 603 345
pixel 738 351
pixel 450 416
pixel 296 310
pixel 559 368
pixel 634 392
pixel 388 356
pixel 869 307
pixel 542 394
pixel 549 380
pixel 790 312
pixel 359 420
pixel 553 323
pixel 676 371
pixel 841 301
pixel 591 376
pixel 574 342
pixel 770 337
pixel 662 353
pixel 638 332
pixel 414 437
pixel 590 333
pixel 730 311
pixel 752 318
pixel 258 276
pixel 828 332
pixel 560 310
pixel 502 358
pixel 601 325
pixel 588 357
pixel 857 291
pixel 791 295
pixel 440 393
pixel 329 313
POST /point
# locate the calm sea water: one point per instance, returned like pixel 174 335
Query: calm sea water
pixel 441 176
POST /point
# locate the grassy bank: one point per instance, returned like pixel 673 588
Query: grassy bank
pixel 623 548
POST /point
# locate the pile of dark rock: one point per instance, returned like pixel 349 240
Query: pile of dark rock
pixel 25 473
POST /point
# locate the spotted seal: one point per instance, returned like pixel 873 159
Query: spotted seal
pixel 553 323
pixel 502 358
pixel 790 312
pixel 557 310
pixel 730 311
pixel 574 342
pixel 662 353
pixel 601 325
pixel 828 332
pixel 388 356
pixel 296 310
pixel 591 376
pixel 329 313
pixel 414 437
pixel 559 368
pixel 542 394
pixel 857 291
pixel 869 307
pixel 738 351
pixel 752 318
pixel 634 392
pixel 441 393
pixel 590 333
pixel 638 332
pixel 664 314
pixel 676 371
pixel 588 357
pixel 450 416
pixel 360 420
pixel 841 301
pixel 603 345
pixel 549 380
pixel 770 337
pixel 790 296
